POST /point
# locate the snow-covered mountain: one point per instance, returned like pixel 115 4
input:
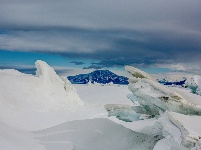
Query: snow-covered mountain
pixel 98 76
pixel 165 82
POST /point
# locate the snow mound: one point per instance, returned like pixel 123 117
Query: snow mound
pixel 59 87
pixel 189 127
pixel 94 134
pixel 46 94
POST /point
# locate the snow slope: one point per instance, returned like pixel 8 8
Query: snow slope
pixel 93 134
pixel 189 126
pixel 26 95
pixel 44 112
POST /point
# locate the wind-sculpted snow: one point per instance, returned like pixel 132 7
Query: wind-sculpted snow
pixel 94 134
pixel 23 95
pixel 44 112
pixel 98 76
pixel 190 128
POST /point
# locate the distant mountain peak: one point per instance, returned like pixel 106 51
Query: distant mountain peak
pixel 98 76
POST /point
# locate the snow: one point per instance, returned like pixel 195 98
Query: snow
pixel 155 99
pixel 197 80
pixel 94 134
pixel 27 95
pixel 47 112
pixel 189 126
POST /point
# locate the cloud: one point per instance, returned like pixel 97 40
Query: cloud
pixel 121 62
pixel 32 69
pixel 77 62
pixel 103 14
pixel 114 32
pixel 176 67
pixel 22 68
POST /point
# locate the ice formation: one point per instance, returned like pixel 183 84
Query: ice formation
pixel 175 107
pixel 37 96
pixel 181 109
pixel 155 97
pixel 122 112
pixel 44 92
pixel 195 84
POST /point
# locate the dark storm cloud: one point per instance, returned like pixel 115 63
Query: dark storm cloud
pixel 119 62
pixel 115 32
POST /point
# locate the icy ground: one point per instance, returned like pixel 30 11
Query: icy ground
pixel 46 112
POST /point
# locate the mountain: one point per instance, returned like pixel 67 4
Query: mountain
pixel 98 76
pixel 165 82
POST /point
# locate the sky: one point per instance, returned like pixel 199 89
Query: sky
pixel 97 34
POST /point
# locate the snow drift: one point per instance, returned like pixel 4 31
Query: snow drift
pixel 44 112
pixel 24 95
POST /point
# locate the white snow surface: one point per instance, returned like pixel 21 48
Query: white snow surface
pixel 189 126
pixel 197 80
pixel 46 112
pixel 32 101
